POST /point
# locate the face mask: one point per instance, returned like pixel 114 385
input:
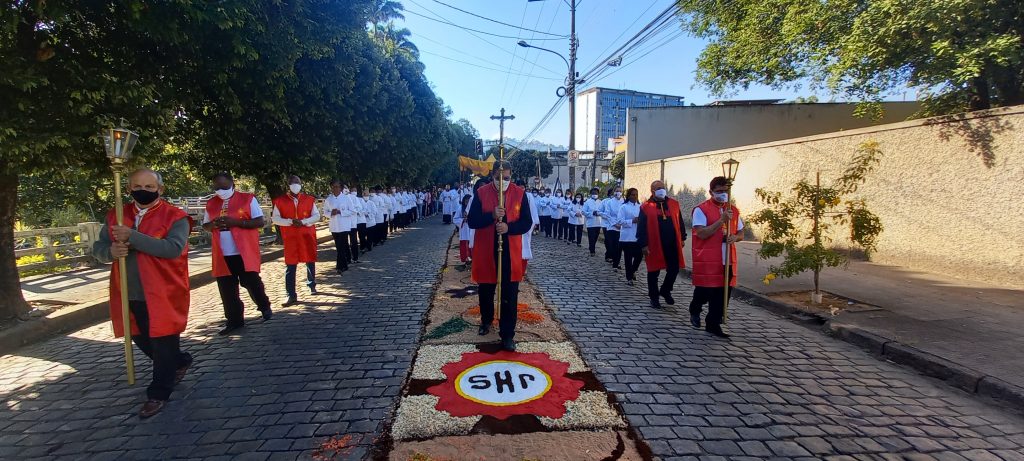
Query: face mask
pixel 618 195
pixel 144 197
pixel 593 196
pixel 225 194
pixel 295 188
pixel 661 193
pixel 721 197
pixel 558 195
pixel 504 186
pixel 344 191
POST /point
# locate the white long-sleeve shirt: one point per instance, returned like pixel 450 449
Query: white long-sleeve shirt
pixel 313 218
pixel 610 212
pixel 345 220
pixel 370 212
pixel 542 205
pixel 575 214
pixel 627 228
pixel 381 204
pixel 528 237
pixel 590 207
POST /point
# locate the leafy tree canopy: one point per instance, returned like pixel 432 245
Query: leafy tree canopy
pixel 959 54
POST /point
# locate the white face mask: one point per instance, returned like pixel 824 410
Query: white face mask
pixel 295 188
pixel 593 196
pixel 504 185
pixel 721 197
pixel 618 195
pixel 344 191
pixel 225 194
pixel 661 193
pixel 558 195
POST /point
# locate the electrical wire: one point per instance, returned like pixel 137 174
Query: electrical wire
pixel 496 21
pixel 511 63
pixel 445 21
pixel 501 48
pixel 630 26
pixel 483 67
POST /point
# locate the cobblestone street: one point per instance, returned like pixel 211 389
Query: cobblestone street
pixel 330 367
pixel 776 390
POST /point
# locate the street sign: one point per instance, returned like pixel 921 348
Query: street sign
pixel 574 158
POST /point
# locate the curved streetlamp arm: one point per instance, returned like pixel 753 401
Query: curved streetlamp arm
pixel 523 44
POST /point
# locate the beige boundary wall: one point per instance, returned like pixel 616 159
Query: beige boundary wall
pixel 949 190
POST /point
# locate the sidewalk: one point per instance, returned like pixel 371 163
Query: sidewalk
pixel 972 325
pixel 84 293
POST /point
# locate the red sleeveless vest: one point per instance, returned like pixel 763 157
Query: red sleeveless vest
pixel 299 242
pixel 484 265
pixel 246 240
pixel 655 257
pixel 708 266
pixel 164 281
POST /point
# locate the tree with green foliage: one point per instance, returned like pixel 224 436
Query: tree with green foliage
pixel 798 227
pixel 617 167
pixel 524 163
pixel 958 54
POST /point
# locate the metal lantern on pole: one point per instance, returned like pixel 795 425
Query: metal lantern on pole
pixel 729 169
pixel 119 143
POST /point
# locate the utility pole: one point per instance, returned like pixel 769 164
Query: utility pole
pixel 572 88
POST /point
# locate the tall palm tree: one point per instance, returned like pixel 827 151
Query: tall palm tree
pixel 395 40
pixel 384 11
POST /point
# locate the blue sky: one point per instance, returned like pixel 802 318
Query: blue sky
pixel 524 80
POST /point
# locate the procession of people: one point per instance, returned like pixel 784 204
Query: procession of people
pixel 495 220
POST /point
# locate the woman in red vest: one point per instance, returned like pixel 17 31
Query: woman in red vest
pixel 490 221
pixel 153 237
pixel 715 223
pixel 296 214
pixel 234 219
pixel 660 234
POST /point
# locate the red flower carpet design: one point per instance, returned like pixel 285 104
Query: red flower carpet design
pixel 506 384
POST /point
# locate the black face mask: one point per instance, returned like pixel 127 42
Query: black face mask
pixel 144 197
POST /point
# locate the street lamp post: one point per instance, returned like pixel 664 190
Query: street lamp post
pixel 118 143
pixel 729 169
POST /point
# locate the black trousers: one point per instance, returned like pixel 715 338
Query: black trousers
pixel 633 254
pixel 341 244
pixel 714 297
pixel 364 237
pixel 509 307
pixel 164 351
pixel 554 226
pixel 563 228
pixel 545 225
pixel 446 219
pixel 229 296
pixel 353 244
pixel 611 246
pixel 671 272
pixel 386 228
pixel 592 233
pixel 577 232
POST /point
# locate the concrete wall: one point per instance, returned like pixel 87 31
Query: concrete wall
pixel 665 132
pixel 948 190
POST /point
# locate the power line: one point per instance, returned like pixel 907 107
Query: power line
pixel 462 53
pixel 627 28
pixel 501 48
pixel 496 21
pixel 485 67
pixel 445 21
pixel 513 61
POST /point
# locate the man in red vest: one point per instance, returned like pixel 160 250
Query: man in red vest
pixel 234 220
pixel 296 214
pixel 660 234
pixel 716 222
pixel 153 237
pixel 492 221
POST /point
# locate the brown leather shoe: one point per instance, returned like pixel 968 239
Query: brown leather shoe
pixel 179 374
pixel 151 407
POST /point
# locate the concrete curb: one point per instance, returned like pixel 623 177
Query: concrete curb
pixel 86 314
pixel 954 374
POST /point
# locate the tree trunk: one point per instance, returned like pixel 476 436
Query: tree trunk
pixel 980 94
pixel 12 302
